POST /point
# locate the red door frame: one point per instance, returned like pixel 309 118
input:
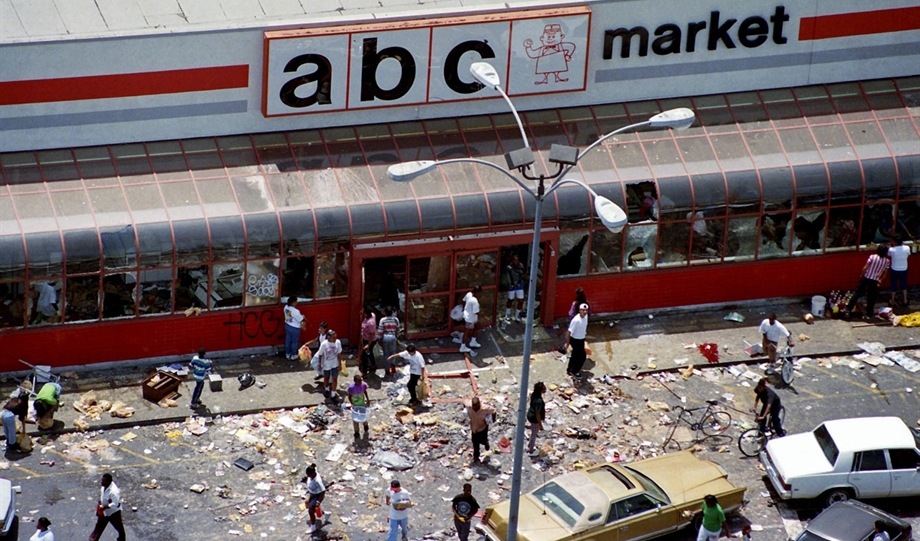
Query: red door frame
pixel 449 246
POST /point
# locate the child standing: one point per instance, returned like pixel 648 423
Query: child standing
pixel 357 395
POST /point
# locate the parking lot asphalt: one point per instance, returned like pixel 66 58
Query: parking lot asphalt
pixel 633 345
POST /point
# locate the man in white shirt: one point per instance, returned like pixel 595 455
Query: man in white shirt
pixel 575 337
pixel 399 502
pixel 898 255
pixel 330 352
pixel 416 370
pixel 773 331
pixel 108 509
pixel 471 319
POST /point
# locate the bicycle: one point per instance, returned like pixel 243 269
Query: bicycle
pixel 787 367
pixel 754 440
pixel 712 422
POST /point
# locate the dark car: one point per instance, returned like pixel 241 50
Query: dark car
pixel 853 521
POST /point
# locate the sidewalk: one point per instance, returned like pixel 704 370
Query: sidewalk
pixel 635 345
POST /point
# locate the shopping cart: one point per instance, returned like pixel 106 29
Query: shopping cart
pixel 37 376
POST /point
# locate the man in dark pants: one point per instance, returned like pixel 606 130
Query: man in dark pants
pixel 465 507
pixel 108 509
pixel 479 425
pixel 771 405
pixel 575 337
pixel 872 274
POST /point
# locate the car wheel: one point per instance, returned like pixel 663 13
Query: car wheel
pixel 836 495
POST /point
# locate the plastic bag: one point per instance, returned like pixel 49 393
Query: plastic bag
pixel 304 353
pixel 343 369
pixel 24 441
pixel 424 390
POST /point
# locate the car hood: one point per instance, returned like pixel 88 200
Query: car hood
pixel 798 455
pixel 697 477
pixel 533 523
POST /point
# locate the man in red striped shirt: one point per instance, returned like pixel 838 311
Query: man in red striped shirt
pixel 872 273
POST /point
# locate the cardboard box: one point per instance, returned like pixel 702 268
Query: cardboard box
pixel 216 382
pixel 160 385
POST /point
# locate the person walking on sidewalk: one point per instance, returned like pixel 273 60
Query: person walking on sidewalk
pixel 293 323
pixel 471 320
pixel 398 501
pixel 465 508
pixel 773 331
pixel 388 335
pixel 368 364
pixel 580 298
pixel 316 492
pixel 42 532
pixel 360 401
pixel 201 367
pixel 108 509
pixel 898 255
pixel 516 279
pixel 416 370
pixel 479 425
pixel 575 337
pixel 872 274
pixel 321 332
pixel 330 353
pixel 536 413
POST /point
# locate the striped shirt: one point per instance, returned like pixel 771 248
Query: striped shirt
pixel 200 367
pixel 875 267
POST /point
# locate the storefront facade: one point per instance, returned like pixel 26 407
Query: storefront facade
pixel 160 233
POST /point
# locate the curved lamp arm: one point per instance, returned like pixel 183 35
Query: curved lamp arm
pixel 486 75
pixel 611 215
pixel 406 171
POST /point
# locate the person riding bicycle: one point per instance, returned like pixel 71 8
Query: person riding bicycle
pixel 771 405
pixel 772 331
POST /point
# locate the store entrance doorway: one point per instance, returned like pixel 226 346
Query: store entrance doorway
pixel 426 281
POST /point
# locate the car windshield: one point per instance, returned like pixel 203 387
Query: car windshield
pixel 554 498
pixel 826 443
pixel 916 433
pixel 808 536
pixel 651 487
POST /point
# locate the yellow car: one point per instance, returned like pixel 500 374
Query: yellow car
pixel 613 502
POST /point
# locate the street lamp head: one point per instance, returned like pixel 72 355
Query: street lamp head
pixel 485 74
pixel 611 215
pixel 678 119
pixel 406 171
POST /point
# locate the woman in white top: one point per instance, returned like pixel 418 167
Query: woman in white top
pixel 42 533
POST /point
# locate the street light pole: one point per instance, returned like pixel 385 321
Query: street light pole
pixel 611 215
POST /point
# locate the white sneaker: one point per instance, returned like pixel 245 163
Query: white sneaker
pixel 474 343
pixel 458 340
pixel 312 528
pixel 472 353
pixel 464 349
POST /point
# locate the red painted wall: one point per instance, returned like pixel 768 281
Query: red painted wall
pixel 704 284
pixel 84 343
